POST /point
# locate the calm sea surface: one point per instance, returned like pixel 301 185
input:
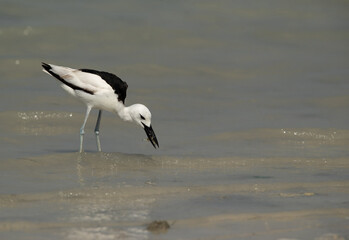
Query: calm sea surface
pixel 249 101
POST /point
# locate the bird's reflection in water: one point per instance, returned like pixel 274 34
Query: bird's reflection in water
pixel 105 233
pixel 107 206
pixel 114 167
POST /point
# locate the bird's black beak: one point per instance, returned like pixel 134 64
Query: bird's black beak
pixel 151 135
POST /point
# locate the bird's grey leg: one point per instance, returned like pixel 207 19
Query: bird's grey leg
pixel 82 129
pixel 97 130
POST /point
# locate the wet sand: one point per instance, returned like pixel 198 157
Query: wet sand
pixel 115 196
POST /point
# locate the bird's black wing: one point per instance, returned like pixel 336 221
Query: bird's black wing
pixel 119 86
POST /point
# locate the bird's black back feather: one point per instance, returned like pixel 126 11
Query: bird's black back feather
pixel 119 86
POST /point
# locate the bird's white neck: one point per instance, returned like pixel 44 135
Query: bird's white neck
pixel 124 113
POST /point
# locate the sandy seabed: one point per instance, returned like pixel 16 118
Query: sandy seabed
pixel 116 196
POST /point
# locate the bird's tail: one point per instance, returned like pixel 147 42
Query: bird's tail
pixel 64 74
pixel 57 70
pixel 46 67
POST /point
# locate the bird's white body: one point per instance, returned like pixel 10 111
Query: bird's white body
pixel 103 91
pixel 103 94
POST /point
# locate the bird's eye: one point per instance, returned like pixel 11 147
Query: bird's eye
pixel 143 118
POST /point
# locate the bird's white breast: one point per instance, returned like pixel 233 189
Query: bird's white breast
pixel 105 100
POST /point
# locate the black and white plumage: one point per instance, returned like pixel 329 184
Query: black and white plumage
pixel 104 91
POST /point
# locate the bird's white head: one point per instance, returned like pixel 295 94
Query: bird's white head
pixel 141 115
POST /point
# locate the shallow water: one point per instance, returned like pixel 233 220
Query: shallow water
pixel 114 196
pixel 249 103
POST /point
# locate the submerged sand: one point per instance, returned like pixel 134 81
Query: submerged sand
pixel 116 196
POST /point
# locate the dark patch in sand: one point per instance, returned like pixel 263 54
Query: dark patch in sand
pixel 158 226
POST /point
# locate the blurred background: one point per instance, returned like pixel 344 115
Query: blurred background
pixel 221 78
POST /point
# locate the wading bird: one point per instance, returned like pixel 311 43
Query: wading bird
pixel 104 91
